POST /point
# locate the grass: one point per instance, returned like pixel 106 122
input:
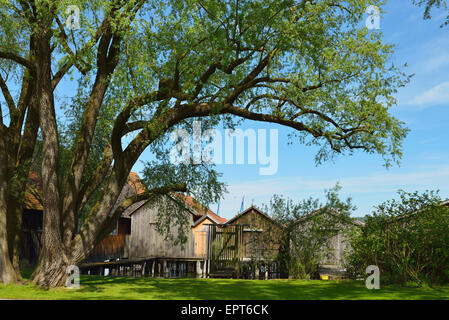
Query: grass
pixel 97 287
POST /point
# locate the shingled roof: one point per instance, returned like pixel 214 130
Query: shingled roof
pixel 133 186
pixel 241 214
pixel 33 196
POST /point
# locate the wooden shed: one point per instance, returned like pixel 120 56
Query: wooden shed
pixel 261 234
pixel 201 230
pixel 330 253
pixel 147 241
pixel 245 247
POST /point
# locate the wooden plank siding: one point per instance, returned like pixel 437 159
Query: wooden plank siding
pixel 114 246
pixel 333 253
pixel 146 241
pixel 226 247
pixel 200 238
pixel 110 248
pixel 261 236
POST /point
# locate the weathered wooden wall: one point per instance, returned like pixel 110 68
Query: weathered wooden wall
pixel 334 252
pixel 339 245
pixel 114 246
pixel 110 248
pixel 146 241
pixel 261 236
pixel 200 238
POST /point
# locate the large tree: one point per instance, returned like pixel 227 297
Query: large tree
pixel 311 66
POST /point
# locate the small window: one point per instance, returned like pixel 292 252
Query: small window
pixel 124 226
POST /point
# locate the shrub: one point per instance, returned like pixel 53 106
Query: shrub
pixel 407 239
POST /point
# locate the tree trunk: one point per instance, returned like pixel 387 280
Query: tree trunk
pixel 14 226
pixel 16 190
pixel 22 159
pixel 51 270
pixel 7 272
pixel 53 259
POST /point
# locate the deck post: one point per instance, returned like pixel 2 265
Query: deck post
pixel 164 267
pixel 208 267
pixel 199 270
pixel 153 262
pixel 203 268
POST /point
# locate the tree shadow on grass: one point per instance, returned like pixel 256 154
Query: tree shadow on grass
pixel 220 289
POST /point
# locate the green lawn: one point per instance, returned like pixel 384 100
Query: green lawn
pixel 95 287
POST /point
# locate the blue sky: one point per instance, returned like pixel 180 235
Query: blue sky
pixel 423 105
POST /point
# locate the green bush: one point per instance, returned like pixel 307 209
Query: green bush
pixel 303 271
pixel 407 239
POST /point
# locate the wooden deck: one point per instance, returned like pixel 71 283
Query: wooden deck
pixel 149 266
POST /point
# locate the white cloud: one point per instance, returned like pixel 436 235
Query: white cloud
pixel 437 63
pixel 380 181
pixel 435 96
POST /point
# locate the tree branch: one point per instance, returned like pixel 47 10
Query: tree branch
pixel 8 98
pixel 74 56
pixel 95 180
pixel 16 58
